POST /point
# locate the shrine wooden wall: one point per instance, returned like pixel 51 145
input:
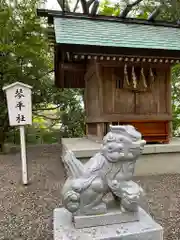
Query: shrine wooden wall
pixel 119 100
pixel 108 101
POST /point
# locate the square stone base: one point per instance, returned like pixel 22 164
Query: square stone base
pixel 109 218
pixel 145 228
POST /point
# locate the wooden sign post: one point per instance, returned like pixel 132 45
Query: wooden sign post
pixel 20 114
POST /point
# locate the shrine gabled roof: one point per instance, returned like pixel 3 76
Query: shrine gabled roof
pixel 115 34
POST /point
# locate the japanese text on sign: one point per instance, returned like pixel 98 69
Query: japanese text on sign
pixel 19 105
pixel 19 93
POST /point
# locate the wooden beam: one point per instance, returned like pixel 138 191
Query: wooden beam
pixel 129 117
pixel 74 67
pixel 102 50
pixel 117 64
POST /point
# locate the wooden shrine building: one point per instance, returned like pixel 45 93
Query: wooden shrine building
pixel 124 65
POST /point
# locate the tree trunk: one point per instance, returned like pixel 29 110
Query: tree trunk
pixel 4 123
pixel 2 140
pixel 3 132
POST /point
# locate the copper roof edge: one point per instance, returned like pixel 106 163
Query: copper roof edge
pixel 50 14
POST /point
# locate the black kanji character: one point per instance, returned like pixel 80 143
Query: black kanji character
pixel 20 105
pixel 20 118
pixel 19 93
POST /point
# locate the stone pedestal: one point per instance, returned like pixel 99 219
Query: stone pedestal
pixel 145 228
pixel 114 217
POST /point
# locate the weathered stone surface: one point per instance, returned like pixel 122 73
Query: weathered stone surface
pixel 144 229
pixel 112 217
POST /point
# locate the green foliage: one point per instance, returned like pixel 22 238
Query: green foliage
pixel 71 113
pixel 24 53
pixel 176 99
pixel 73 117
pixel 108 9
pixel 26 56
pixel 34 136
pixel 169 11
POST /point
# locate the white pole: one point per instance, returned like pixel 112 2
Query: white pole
pixel 23 156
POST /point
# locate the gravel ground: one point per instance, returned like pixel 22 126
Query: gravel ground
pixel 163 198
pixel 26 211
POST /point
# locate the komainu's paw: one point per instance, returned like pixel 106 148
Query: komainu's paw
pixel 72 201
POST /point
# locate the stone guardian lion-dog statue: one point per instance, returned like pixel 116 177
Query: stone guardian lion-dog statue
pixel 109 171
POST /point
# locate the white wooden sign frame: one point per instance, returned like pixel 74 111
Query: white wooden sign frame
pixel 19 105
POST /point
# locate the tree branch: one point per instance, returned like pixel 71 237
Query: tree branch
pixel 84 6
pixel 89 3
pixel 76 5
pixel 43 116
pixel 157 10
pixel 45 109
pixel 50 71
pixel 128 8
pixel 154 14
pixel 67 8
pixel 95 7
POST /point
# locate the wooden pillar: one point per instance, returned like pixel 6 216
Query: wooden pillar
pixel 169 102
pixel 94 99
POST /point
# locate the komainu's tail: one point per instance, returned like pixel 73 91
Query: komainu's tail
pixel 74 167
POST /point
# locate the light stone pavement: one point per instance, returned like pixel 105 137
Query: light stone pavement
pixel 26 211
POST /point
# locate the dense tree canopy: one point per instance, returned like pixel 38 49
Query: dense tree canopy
pixel 23 53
